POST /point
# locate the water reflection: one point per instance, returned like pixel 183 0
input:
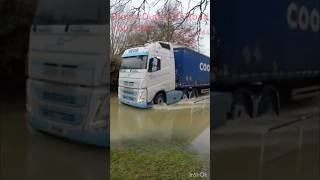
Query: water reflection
pixel 33 155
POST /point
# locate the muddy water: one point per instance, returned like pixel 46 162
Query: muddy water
pixel 188 120
pixel 246 149
pixel 29 155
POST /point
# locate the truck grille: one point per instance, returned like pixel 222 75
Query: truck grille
pixel 127 83
pixel 130 98
pixel 130 84
pixel 63 117
pixel 60 98
pixel 128 93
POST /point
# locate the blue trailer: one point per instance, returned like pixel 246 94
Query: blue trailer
pixel 192 68
pixel 264 50
pixel 269 40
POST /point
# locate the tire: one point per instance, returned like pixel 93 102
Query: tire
pixel 185 94
pixel 268 104
pixel 195 92
pixel 159 99
pixel 240 108
pixel 192 94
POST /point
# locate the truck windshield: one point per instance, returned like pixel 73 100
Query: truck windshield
pixel 136 62
pixel 53 12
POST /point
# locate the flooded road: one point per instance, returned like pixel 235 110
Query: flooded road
pixel 270 147
pixel 183 127
pixel 187 121
pixel 29 155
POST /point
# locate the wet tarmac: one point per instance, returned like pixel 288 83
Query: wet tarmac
pixel 29 155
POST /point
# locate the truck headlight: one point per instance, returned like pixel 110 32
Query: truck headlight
pixel 100 119
pixel 119 91
pixel 142 96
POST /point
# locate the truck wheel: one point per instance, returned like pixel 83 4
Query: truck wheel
pixel 240 108
pixel 195 93
pixel 268 103
pixel 265 107
pixel 185 94
pixel 159 99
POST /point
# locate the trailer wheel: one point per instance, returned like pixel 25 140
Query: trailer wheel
pixel 195 92
pixel 159 99
pixel 185 94
pixel 240 108
pixel 268 104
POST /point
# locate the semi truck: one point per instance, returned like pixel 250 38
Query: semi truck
pixel 67 86
pixel 264 52
pixel 159 72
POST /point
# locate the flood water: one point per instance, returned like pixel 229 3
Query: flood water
pixel 236 147
pixel 188 120
pixel 250 151
pixel 29 155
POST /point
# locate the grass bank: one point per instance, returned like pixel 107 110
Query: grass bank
pixel 153 160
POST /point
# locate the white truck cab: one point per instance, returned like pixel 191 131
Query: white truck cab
pixel 67 90
pixel 147 75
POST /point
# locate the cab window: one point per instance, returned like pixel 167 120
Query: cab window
pixel 154 64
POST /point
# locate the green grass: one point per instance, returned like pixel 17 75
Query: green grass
pixel 153 160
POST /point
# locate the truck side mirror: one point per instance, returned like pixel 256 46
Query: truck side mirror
pixel 154 65
pixel 150 65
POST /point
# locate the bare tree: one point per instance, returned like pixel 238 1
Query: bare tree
pixel 170 29
pixel 128 27
pixel 173 24
pixel 119 30
pixel 142 5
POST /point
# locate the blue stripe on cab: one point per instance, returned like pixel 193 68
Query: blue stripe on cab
pixel 135 52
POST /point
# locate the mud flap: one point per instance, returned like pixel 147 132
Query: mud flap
pixel 220 105
pixel 173 97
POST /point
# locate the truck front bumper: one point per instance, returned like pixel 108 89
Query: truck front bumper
pixel 97 138
pixel 142 105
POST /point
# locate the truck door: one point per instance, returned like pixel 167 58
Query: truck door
pixel 155 79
